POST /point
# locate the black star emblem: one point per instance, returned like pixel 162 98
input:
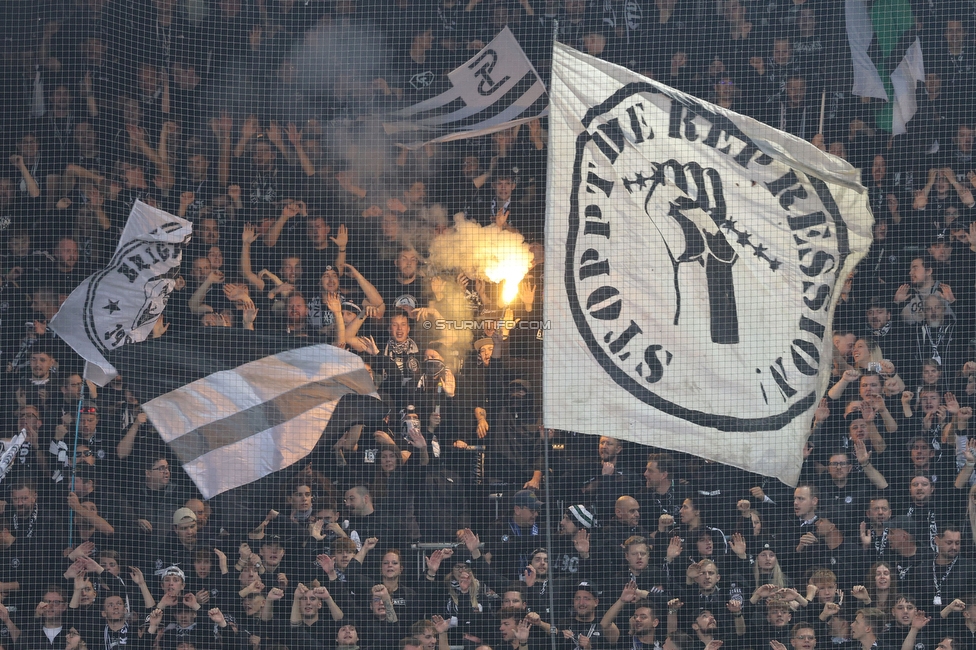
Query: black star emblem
pixel 760 251
pixel 775 264
pixel 743 238
pixel 640 182
pixel 112 306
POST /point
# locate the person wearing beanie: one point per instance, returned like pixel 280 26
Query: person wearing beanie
pixel 570 557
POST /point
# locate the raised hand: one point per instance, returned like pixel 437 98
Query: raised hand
pixel 277 593
pixel 250 234
pixel 919 620
pixel 581 541
pixel 434 561
pixel 250 127
pixel 294 135
pixel 674 548
pixel 326 562
pixel 217 617
pixel 342 237
pixel 135 574
pixel 530 576
pixel 864 533
pixel 903 293
pixel 629 593
pixel 440 625
pixel 469 539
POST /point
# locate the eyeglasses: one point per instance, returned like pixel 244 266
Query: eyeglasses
pixel 86 454
pixel 161 468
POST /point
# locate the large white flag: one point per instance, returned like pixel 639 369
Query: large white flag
pixel 691 260
pixel 495 89
pixel 120 303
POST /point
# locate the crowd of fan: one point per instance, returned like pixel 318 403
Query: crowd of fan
pixel 308 224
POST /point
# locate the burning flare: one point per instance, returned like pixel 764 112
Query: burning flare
pixel 485 253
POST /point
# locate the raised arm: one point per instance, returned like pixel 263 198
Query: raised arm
pixel 837 390
pixel 197 306
pixel 98 522
pixel 295 137
pixel 629 595
pixel 33 189
pixel 248 237
pixel 323 594
pixel 962 191
pixel 919 621
pixel 167 179
pixel 870 471
pixel 124 449
pixel 373 298
pixel 334 304
pixel 135 573
pixel 287 212
pixel 248 130
pixel 296 607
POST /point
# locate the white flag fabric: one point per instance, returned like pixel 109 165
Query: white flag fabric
pixel 495 89
pixel 256 418
pixel 120 303
pixel 691 260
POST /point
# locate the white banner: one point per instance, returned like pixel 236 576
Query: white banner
pixel 692 255
pixel 495 89
pixel 120 303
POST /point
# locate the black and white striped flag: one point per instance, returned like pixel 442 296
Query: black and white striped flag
pixel 494 90
pixel 235 406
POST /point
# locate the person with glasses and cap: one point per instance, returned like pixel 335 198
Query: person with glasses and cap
pixel 511 540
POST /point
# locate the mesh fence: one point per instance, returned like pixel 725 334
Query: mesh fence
pixel 325 245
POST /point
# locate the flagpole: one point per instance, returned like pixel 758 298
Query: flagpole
pixel 546 481
pixel 545 430
pixel 823 106
pixel 74 458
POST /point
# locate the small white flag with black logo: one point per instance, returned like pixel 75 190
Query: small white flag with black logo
pixel 495 89
pixel 120 303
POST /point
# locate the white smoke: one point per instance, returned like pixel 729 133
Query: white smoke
pixel 483 253
pixel 341 59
